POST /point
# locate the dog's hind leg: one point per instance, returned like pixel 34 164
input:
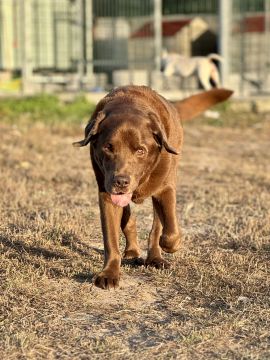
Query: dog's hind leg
pixel 215 76
pixel 204 73
pixel 170 239
pixel 128 226
pixel 154 257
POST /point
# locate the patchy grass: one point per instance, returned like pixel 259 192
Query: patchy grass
pixel 229 118
pixel 46 108
pixel 213 303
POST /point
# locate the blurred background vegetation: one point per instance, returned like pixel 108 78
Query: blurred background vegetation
pixel 47 108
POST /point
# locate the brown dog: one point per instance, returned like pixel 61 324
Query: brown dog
pixel 136 136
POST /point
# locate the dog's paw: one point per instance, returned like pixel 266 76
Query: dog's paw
pixel 157 262
pixel 170 243
pixel 131 254
pixel 107 280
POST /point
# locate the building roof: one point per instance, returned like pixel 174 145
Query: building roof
pixel 251 24
pixel 169 28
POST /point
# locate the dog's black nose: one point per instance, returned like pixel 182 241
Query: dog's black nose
pixel 121 181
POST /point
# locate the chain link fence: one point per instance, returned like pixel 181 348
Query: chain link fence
pixel 250 46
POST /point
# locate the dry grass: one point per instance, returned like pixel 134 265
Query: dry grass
pixel 212 304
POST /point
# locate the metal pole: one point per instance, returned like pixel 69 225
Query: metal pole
pixel 158 32
pixel 89 37
pixel 27 63
pixel 225 14
pixel 1 34
pixel 267 42
pixel 242 49
pixel 80 21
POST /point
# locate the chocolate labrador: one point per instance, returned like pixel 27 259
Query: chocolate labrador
pixel 136 138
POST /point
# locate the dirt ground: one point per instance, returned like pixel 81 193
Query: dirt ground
pixel 213 303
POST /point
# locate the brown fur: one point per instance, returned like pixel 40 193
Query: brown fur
pixel 135 137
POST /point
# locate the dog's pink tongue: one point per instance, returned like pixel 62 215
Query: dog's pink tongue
pixel 121 200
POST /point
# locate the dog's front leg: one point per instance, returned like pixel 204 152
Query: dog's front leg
pixel 170 238
pixel 110 220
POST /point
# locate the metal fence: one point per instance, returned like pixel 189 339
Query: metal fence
pixel 250 47
pixel 98 44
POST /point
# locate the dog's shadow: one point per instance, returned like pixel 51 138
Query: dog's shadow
pixel 85 277
pixel 135 262
pixel 86 250
pixel 21 247
pixel 35 256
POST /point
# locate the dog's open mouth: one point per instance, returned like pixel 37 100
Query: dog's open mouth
pixel 121 199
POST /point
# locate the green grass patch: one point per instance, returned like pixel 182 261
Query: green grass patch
pixel 46 108
pixel 50 110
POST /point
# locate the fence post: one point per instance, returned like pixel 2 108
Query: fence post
pixel 89 37
pixel 225 13
pixel 157 32
pixel 80 22
pixel 27 50
pixel 267 42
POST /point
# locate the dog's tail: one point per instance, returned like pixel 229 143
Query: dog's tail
pixel 216 57
pixel 194 105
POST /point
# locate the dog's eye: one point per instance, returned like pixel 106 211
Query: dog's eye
pixel 108 147
pixel 140 152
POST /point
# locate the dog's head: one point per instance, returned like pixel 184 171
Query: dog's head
pixel 125 146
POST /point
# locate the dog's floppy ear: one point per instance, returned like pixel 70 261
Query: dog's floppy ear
pixel 90 129
pixel 159 133
pixel 196 104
